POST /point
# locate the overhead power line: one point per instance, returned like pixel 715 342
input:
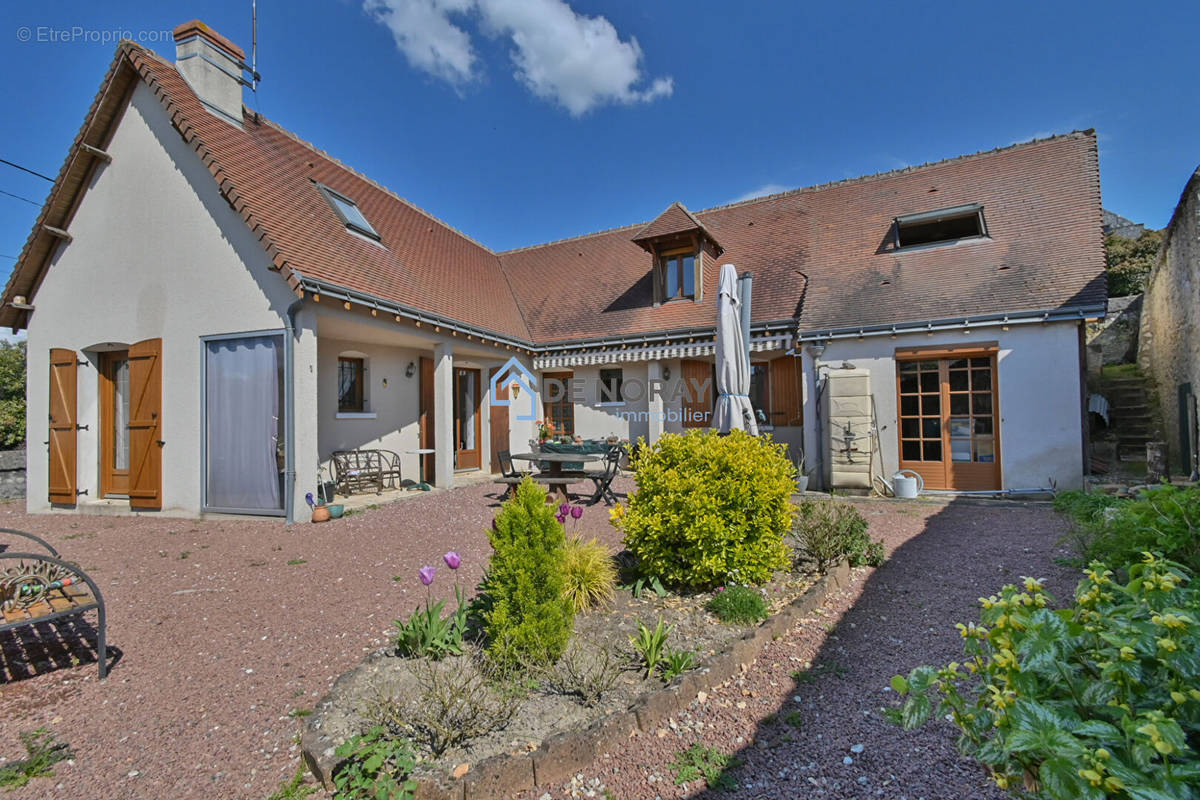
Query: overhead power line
pixel 26 169
pixel 19 197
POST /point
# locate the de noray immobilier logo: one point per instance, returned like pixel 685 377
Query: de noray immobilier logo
pixel 609 393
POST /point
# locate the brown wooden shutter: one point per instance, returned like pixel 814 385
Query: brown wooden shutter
pixel 426 416
pixel 785 396
pixel 145 424
pixel 697 409
pixel 61 480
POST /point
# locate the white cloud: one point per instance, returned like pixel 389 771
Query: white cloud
pixel 428 39
pixel 762 191
pixel 572 60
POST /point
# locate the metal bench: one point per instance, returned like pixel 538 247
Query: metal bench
pixel 365 470
pixel 42 587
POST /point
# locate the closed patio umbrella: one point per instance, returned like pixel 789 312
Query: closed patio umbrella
pixel 733 361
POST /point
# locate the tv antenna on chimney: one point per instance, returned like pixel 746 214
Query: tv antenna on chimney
pixel 254 47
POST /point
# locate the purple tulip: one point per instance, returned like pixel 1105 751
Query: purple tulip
pixel 564 509
pixel 452 560
pixel 426 574
pixel 561 519
pixel 576 512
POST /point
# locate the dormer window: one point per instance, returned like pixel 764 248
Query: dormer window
pixel 348 212
pixel 942 225
pixel 679 245
pixel 677 271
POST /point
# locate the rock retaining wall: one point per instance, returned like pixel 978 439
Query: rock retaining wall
pixel 12 473
pixel 569 752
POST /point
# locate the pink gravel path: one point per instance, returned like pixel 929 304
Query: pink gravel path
pixel 218 646
pixel 941 559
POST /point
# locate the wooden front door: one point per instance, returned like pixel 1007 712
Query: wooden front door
pixel 61 478
pixel 468 427
pixel 949 425
pixel 497 421
pixel 114 423
pixel 425 425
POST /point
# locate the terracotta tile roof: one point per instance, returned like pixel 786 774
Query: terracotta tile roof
pixel 822 254
pixel 675 220
pixel 1041 202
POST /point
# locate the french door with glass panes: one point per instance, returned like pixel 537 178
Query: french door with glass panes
pixel 949 425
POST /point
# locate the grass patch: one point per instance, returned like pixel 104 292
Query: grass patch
pixel 739 605
pixel 295 562
pixel 709 763
pixel 41 753
pixel 794 719
pixel 299 713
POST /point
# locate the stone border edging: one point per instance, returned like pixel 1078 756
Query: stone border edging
pixel 564 754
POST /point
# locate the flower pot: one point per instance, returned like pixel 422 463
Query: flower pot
pixel 320 514
pixel 801 484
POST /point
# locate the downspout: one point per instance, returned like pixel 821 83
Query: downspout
pixel 289 411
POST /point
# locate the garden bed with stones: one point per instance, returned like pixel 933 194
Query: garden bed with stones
pixel 551 734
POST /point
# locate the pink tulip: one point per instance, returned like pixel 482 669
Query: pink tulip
pixel 452 560
pixel 426 574
pixel 576 512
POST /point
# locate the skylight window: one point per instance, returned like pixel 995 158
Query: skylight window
pixel 942 225
pixel 349 213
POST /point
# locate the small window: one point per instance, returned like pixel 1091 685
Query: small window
pixel 348 211
pixel 677 275
pixel 610 386
pixel 943 225
pixel 350 385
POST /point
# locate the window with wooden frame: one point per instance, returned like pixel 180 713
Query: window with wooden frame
pixel 351 394
pixel 676 274
pixel 560 411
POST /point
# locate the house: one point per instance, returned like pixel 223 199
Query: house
pixel 1169 340
pixel 214 306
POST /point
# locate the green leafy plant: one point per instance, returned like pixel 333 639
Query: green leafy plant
pixel 377 765
pixel 677 662
pixel 42 752
pixel 1098 700
pixel 709 763
pixel 1163 519
pixel 296 788
pixel 644 583
pixel 794 720
pixel 427 633
pixel 738 605
pixel 12 394
pixel 589 575
pixel 829 531
pixel 709 509
pixel 651 645
pixel 526 617
pixel 1130 261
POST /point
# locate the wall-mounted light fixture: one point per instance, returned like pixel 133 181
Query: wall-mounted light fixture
pixel 666 373
pixel 516 390
pixel 410 369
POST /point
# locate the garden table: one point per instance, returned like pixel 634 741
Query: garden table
pixel 554 476
pixel 420 452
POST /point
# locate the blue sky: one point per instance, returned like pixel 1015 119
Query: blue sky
pixel 521 121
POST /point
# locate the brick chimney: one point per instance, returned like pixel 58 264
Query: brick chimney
pixel 212 66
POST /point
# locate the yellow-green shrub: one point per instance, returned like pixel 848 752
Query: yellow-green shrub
pixel 589 575
pixel 709 509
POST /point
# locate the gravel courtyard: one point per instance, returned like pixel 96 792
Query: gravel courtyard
pixel 227 629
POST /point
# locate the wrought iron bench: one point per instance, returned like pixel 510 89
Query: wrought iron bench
pixel 365 470
pixel 37 588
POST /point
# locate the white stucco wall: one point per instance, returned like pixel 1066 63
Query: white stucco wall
pixel 156 253
pixel 1038 380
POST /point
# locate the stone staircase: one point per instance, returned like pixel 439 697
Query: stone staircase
pixel 1130 416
